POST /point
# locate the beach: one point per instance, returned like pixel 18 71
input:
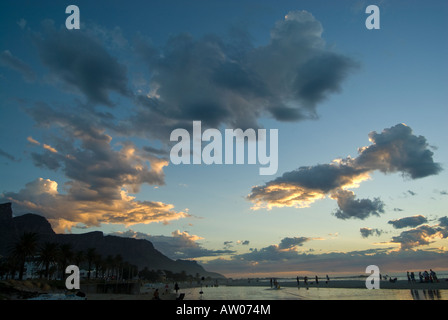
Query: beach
pixel 288 289
pixel 252 289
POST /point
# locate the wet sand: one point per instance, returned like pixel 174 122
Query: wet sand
pixel 192 292
pixel 359 284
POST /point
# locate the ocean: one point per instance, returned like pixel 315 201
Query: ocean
pixel 294 293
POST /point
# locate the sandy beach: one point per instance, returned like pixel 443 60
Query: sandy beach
pixel 189 291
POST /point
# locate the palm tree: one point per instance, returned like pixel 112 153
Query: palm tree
pixel 79 258
pixel 90 255
pixel 118 261
pixel 25 248
pixel 48 255
pixel 65 257
pixel 109 265
pixel 99 263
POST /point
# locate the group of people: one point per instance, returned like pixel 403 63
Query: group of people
pixel 156 295
pixel 305 280
pixel 424 276
pixel 275 284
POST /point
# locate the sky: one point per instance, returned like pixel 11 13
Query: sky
pixel 87 115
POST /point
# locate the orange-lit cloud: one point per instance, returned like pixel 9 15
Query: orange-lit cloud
pixel 65 211
pixel 33 141
pixel 396 149
pixel 49 148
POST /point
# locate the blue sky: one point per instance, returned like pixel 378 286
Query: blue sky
pixel 86 117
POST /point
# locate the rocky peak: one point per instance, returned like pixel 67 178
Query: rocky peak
pixel 5 212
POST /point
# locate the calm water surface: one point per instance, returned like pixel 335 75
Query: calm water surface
pixel 291 293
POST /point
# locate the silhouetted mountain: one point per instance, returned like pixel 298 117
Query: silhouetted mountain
pixel 138 252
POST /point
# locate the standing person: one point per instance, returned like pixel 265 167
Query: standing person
pixel 176 287
pixel 426 275
pixel 305 279
pixel 433 275
pixel 156 295
pixel 409 276
pixel 317 280
pixel 420 276
pixel 412 277
pixel 328 279
pixel 297 280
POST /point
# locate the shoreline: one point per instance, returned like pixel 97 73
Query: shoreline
pixel 347 284
pixel 190 291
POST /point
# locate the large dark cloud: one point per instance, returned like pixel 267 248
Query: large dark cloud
pixel 229 81
pixel 81 62
pixel 396 149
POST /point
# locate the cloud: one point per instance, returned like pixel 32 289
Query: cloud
pixel 100 174
pixel 49 148
pixel 7 155
pixel 21 23
pixel 367 232
pixel 443 222
pixel 301 187
pixel 264 262
pixel 64 211
pixel 10 61
pixel 236 83
pixel 33 141
pixel 422 235
pixel 98 168
pixel 291 243
pixel 396 149
pixel 287 249
pixel 349 207
pixel 408 222
pixel 81 62
pixel 180 245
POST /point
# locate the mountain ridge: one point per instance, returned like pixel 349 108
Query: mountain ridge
pixel 139 252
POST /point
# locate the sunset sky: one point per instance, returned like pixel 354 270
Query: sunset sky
pixel 86 117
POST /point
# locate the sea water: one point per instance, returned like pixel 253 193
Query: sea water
pixel 294 293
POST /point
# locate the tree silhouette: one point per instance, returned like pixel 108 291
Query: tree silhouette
pixel 90 256
pixel 48 255
pixel 65 257
pixel 24 249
